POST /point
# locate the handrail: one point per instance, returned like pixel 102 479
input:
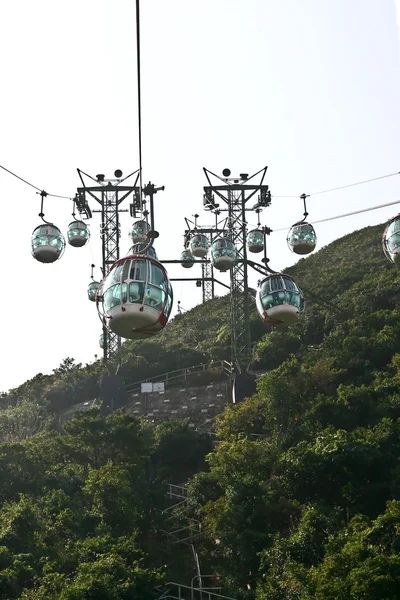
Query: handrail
pixel 227 368
pixel 200 578
pixel 179 491
pixel 199 592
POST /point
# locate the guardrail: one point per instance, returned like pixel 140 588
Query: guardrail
pixel 222 366
pixel 176 591
pixel 177 491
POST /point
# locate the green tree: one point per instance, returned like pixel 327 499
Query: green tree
pixel 180 451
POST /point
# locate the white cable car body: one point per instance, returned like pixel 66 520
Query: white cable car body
pixel 199 245
pixel 391 240
pixel 223 254
pixel 47 243
pixel 302 238
pixel 136 297
pixel 279 300
pixel 78 234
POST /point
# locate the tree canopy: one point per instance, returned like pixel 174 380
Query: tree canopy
pixel 299 496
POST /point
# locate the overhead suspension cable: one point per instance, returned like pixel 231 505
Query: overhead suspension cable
pixel 33 186
pixel 20 178
pixel 349 214
pixel 342 187
pixel 139 94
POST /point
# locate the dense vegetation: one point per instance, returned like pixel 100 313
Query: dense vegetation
pixel 300 499
pixel 82 510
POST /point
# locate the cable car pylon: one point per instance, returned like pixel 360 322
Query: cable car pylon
pixel 109 195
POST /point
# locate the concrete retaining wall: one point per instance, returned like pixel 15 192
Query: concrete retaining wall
pixel 198 403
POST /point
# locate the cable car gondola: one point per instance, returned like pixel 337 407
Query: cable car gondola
pixel 78 234
pixel 139 231
pixel 279 300
pixel 136 297
pixel 187 260
pixel 199 245
pixel 391 240
pixel 223 254
pixel 102 340
pixel 92 290
pixel 47 243
pixel 255 240
pixel 302 238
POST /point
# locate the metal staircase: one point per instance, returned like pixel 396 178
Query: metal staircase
pixel 177 591
pixel 189 528
pixel 186 533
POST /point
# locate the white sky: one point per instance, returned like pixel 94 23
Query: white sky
pixel 310 88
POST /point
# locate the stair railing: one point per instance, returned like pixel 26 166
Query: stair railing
pixel 177 591
pixel 170 376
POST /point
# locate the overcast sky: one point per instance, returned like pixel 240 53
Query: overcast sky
pixel 310 88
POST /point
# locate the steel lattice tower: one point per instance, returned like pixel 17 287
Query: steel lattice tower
pixel 109 194
pixel 239 294
pixel 235 193
pixel 110 232
pixel 207 275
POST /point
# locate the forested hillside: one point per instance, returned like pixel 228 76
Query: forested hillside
pixel 300 497
pixel 302 492
pixel 81 512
